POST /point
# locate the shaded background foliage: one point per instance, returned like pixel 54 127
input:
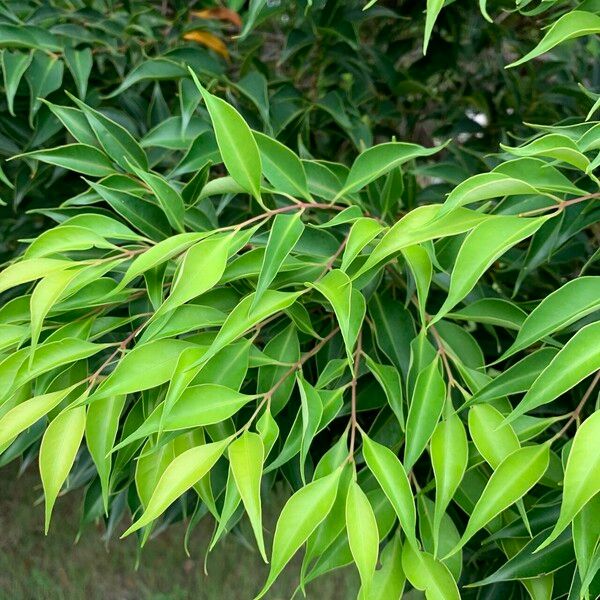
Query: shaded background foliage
pixel 329 80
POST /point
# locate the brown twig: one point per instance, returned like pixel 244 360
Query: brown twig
pixel 353 420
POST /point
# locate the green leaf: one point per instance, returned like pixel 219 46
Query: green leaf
pixel 282 167
pixel 246 457
pixel 362 232
pixel 582 475
pixel 389 580
pixel 429 575
pixel 59 447
pixel 26 413
pixel 494 438
pixel 155 69
pixel 80 64
pixel 579 358
pixel 433 10
pixel 363 536
pixel 44 76
pixel 379 160
pixel 347 303
pixel 571 302
pixel 179 476
pixel 311 408
pixel 484 245
pixel 236 142
pixel 513 478
pixel 30 270
pixel 75 157
pixel 419 263
pixel 391 476
pixel 389 379
pixel 101 428
pixel 586 533
pixel 420 225
pixel 424 412
pixel 300 516
pixel 285 233
pixel 14 65
pixel 75 122
pixel 570 26
pixel 201 269
pixel 449 456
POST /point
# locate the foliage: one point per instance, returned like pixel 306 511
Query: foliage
pixel 410 341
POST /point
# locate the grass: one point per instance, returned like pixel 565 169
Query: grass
pixel 33 566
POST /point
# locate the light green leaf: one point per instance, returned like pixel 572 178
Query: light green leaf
pixel 433 10
pixel 362 232
pixel 236 142
pixel 311 408
pixel 246 457
pixel 391 476
pixel 101 428
pixel 59 447
pixel 582 475
pixel 419 263
pixel 571 302
pixel 29 270
pixel 571 25
pixel 285 233
pixel 300 516
pixel 424 412
pixel 493 438
pixel 379 160
pixel 513 478
pixel 363 535
pixel 429 575
pixel 389 580
pixel 181 474
pixel 485 244
pixel 579 358
pixel 389 379
pixel 449 456
pixel 282 167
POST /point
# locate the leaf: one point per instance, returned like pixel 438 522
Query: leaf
pixel 582 475
pixel 485 244
pixel 75 157
pixel 579 358
pixel 59 447
pixel 449 457
pixel 419 262
pixel 285 233
pixel 513 478
pixel 347 303
pixel 80 64
pixel 236 143
pixel 362 232
pixel 300 516
pixel 179 476
pixel 494 438
pixel 424 412
pixel 389 379
pixel 363 536
pixel 571 302
pixel 25 271
pixel 433 10
pixel 282 167
pixel 379 160
pixel 44 76
pixel 528 563
pixel 418 226
pixel 429 575
pixel 209 40
pixel 389 580
pixel 14 65
pixel 391 476
pixel 571 25
pixel 25 414
pixel 201 269
pixel 101 428
pixel 246 457
pixel 311 408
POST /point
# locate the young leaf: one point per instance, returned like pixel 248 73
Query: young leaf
pixel 362 232
pixel 513 478
pixel 449 456
pixel 181 474
pixel 433 10
pixel 311 408
pixel 582 475
pixel 299 518
pixel 59 447
pixel 579 358
pixel 486 243
pixel 424 412
pixel 391 476
pixel 363 536
pixel 236 142
pixel 285 233
pixel 246 457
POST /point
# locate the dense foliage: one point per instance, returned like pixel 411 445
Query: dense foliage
pixel 250 283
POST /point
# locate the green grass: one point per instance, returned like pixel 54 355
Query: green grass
pixel 33 566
